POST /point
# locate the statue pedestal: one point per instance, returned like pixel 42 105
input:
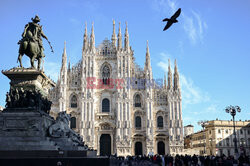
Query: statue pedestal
pixel 25 123
pixel 29 79
pixel 29 88
pixel 25 130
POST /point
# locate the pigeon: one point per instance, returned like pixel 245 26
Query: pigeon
pixel 172 19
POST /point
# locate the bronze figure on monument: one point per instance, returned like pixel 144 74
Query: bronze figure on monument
pixel 31 43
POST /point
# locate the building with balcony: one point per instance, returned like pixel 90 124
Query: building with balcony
pixel 217 138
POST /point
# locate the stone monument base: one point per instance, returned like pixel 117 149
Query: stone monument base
pixel 26 128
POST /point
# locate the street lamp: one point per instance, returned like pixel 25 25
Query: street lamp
pixel 232 110
pixel 203 123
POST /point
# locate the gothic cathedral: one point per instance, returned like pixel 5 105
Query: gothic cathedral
pixel 115 105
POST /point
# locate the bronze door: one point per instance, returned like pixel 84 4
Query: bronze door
pixel 161 148
pixel 105 145
pixel 138 148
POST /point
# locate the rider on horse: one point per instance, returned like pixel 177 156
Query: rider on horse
pixel 32 33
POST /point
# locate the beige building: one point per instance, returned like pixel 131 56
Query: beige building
pixel 189 129
pixel 195 143
pixel 219 137
pixel 115 105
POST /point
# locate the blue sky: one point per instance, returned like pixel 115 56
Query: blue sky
pixel 211 43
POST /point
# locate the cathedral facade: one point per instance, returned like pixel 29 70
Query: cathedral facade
pixel 117 106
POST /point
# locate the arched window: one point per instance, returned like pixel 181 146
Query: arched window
pixel 137 122
pixel 105 105
pixel 72 122
pixel 105 74
pixel 159 121
pixel 73 102
pixel 137 100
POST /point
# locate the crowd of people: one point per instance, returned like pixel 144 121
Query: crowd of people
pixel 179 160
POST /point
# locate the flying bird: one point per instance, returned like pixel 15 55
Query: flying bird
pixel 172 19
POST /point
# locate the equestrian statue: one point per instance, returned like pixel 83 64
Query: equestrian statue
pixel 31 43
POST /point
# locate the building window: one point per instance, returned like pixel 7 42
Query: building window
pixel 137 100
pixel 137 122
pixel 159 121
pixel 72 122
pixel 210 132
pixel 241 131
pixel 227 141
pixel 105 75
pixel 227 131
pixel 219 131
pixel 73 102
pixel 105 105
pixel 242 142
pixel 220 144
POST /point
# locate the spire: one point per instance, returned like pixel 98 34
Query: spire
pixel 175 67
pixel 114 35
pixel 64 57
pixel 58 79
pixel 165 81
pixel 119 44
pixel 92 38
pixel 170 81
pixel 69 65
pixel 126 39
pixel 63 72
pixel 85 38
pixel 147 64
pixel 176 76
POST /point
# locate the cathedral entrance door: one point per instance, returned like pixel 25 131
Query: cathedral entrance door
pixel 105 145
pixel 161 148
pixel 138 148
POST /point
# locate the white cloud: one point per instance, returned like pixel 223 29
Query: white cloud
pixel 212 108
pixel 193 24
pixel 164 63
pixel 191 94
pixel 172 5
pixel 164 6
pixel 190 28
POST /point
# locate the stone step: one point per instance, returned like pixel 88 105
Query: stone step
pixel 42 143
pixel 29 147
pixel 26 138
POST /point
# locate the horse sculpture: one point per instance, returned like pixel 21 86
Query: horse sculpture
pixel 31 43
pixel 32 50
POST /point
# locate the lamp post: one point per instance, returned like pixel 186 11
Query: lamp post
pixel 203 123
pixel 232 110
